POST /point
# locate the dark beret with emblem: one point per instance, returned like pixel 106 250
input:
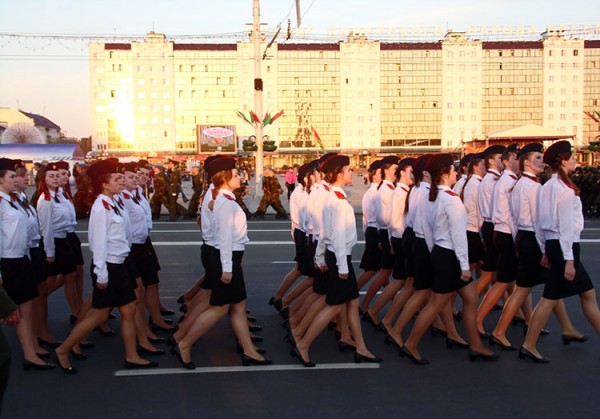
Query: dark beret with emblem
pixel 63 165
pixel 439 162
pixel 324 158
pixel 389 160
pixel 337 160
pixel 511 148
pixel 219 164
pixel 419 163
pixel 405 162
pixel 531 148
pixel 19 163
pixel 467 159
pixel 131 167
pixel 376 165
pixel 303 171
pixel 144 164
pixel 8 164
pixel 491 150
pixel 102 167
pixel 556 149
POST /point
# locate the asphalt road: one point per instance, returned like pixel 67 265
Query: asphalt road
pixel 451 387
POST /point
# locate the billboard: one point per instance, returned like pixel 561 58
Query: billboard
pixel 214 139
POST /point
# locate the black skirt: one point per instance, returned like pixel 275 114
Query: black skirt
pixel 399 271
pixel 340 291
pixel 205 252
pixel 387 259
pixel 19 283
pixel 491 255
pixel 446 271
pixel 320 283
pixel 371 258
pixel 300 246
pixel 476 252
pixel 151 249
pixel 38 263
pixel 231 293
pixel 120 290
pixel 307 266
pixel 76 246
pixel 423 269
pixel 144 259
pixel 408 241
pixel 506 267
pixel 529 255
pixel 65 260
pixel 557 287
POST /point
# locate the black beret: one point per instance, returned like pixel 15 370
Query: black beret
pixel 420 163
pixel 8 164
pixel 50 166
pixel 389 160
pixel 491 150
pixel 376 165
pixel 531 148
pixel 219 164
pixel 102 167
pixel 405 162
pixel 324 158
pixel 303 171
pixel 131 167
pixel 511 148
pixel 19 163
pixel 559 147
pixel 467 159
pixel 440 161
pixel 143 164
pixel 337 160
pixel 209 159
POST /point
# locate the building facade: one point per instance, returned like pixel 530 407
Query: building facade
pixel 361 96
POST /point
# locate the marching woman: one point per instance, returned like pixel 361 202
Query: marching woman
pixel 371 258
pixel 450 262
pixel 227 277
pixel 383 212
pixel 16 272
pixel 57 218
pixel 561 222
pixel 113 284
pixel 334 254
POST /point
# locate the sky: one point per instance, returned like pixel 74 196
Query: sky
pixel 51 76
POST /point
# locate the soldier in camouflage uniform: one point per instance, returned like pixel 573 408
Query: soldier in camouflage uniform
pixel 175 209
pixel 83 198
pixel 160 196
pixel 198 187
pixel 271 190
pixel 241 192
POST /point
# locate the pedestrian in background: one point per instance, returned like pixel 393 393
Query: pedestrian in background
pixel 290 181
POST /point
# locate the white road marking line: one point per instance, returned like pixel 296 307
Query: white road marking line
pixel 207 370
pixel 199 243
pixel 292 262
pixel 198 231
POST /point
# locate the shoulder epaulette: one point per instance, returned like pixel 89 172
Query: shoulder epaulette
pixel 451 193
pixel 390 186
pixel 231 198
pixel 339 195
pixel 126 195
pixel 47 196
pixel 106 204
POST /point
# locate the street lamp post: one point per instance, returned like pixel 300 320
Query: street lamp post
pixel 258 88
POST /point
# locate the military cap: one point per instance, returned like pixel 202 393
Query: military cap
pixel 8 164
pixel 493 149
pixel 530 148
pixel 102 167
pixel 559 147
pixel 440 161
pixel 62 165
pixel 420 163
pixel 467 159
pixel 336 160
pixel 389 160
pixel 324 158
pixel 131 167
pixel 511 148
pixel 376 165
pixel 219 164
pixel 144 164
pixel 405 162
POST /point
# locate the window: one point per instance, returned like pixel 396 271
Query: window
pixel 575 53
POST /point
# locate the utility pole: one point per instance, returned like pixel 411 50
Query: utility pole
pixel 258 89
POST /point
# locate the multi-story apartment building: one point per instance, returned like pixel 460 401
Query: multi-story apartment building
pixel 362 96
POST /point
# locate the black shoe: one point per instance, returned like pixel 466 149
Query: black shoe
pixel 286 325
pixel 525 354
pixel 131 365
pixel 54 344
pixel 367 317
pixel 111 316
pixel 183 308
pixel 495 341
pixel 108 332
pixel 566 339
pixel 458 316
pixel 285 313
pixel 289 338
pixel 251 319
pixel 28 365
pixel 86 345
pixel 240 349
pixel 187 365
pixel 451 343
pixel 358 358
pixel 157 340
pixel 246 360
pixel 517 321
pixel 156 328
pixel 474 356
pixel 484 335
pixel 43 356
pixel 141 350
pixel 72 319
pixel 278 304
pixel 256 339
pixel 296 353
pixel 181 299
pixel 389 340
pixel 404 352
pixel 381 327
pixel 170 341
pixel 499 307
pixel 167 312
pixel 67 370
pixel 543 332
pixel 79 356
pixel 254 328
pixel 342 346
pixel 437 332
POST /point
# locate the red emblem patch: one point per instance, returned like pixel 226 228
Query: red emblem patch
pixel 106 204
pixel 451 193
pixel 339 195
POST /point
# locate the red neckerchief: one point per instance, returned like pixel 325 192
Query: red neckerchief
pixel 534 178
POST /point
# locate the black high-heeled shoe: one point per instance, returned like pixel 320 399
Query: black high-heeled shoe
pixel 256 339
pixel 437 332
pixel 517 321
pixel 359 358
pixel 543 332
pixel 567 339
pixel 132 365
pixel 474 356
pixel 289 339
pixel 181 299
pixel 183 308
pixel 54 344
pixel 28 365
pixel 108 332
pixel 141 350
pixel 389 340
pixel 240 349
pixel 525 354
pixel 251 319
pixel 167 312
pixel 171 341
pixel 367 317
pixel 451 343
pixel 381 327
pixel 76 355
pixel 285 313
pixel 296 353
pixel 286 325
pixel 495 341
pixel 86 345
pixel 254 328
pixel 484 335
pixel 458 316
pixel 157 340
pixel 155 328
pixel 343 346
pixel 72 319
pixel 246 360
pixel 67 370
pixel 405 352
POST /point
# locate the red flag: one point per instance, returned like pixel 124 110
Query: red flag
pixel 591 115
pixel 277 115
pixel 318 139
pixel 254 117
